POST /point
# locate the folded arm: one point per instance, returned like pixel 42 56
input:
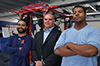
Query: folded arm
pixel 8 47
pixel 63 51
pixel 25 49
pixel 86 50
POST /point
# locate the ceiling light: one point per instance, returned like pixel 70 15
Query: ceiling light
pixel 87 5
pixel 98 3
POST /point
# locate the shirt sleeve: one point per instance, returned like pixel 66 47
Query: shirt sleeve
pixel 94 39
pixel 26 48
pixel 8 46
pixel 61 40
pixel 33 50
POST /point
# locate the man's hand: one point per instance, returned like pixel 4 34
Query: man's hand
pixel 66 45
pixel 20 48
pixel 38 63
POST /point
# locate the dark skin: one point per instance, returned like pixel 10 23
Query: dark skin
pixel 71 49
pixel 21 24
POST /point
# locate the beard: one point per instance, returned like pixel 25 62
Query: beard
pixel 21 32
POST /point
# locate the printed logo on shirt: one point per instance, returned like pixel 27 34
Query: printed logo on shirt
pixel 22 42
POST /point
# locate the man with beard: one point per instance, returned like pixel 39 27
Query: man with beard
pixel 80 44
pixel 18 46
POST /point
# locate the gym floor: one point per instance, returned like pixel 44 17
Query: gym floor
pixel 4 59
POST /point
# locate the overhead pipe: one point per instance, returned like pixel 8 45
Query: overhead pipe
pixel 76 3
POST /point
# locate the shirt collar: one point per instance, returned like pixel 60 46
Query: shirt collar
pixel 48 29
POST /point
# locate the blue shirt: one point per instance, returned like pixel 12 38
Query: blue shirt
pixel 46 33
pixel 87 35
pixel 18 57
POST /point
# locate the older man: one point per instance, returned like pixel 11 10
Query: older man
pixel 44 42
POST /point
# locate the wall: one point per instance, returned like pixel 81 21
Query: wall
pixel 3 24
pixel 95 24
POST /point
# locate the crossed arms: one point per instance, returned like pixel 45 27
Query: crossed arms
pixel 18 51
pixel 71 49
